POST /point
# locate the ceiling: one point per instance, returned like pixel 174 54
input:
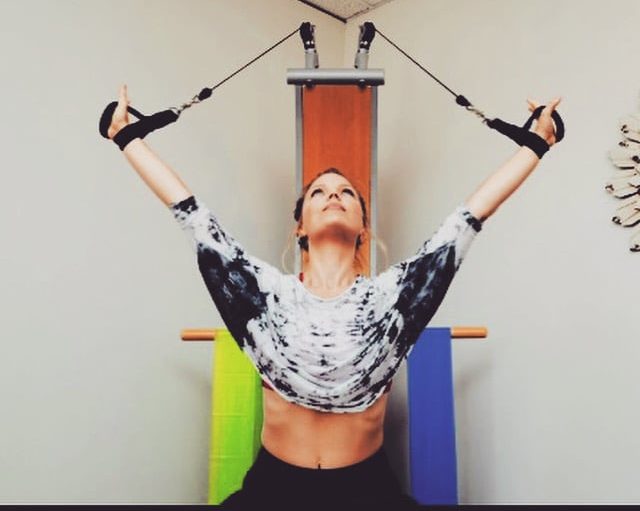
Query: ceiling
pixel 344 9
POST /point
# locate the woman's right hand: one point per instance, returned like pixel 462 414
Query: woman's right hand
pixel 545 127
pixel 120 117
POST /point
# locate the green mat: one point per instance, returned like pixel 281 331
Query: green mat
pixel 236 420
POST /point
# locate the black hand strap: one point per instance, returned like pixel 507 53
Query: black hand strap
pixel 139 129
pixel 557 120
pixel 522 135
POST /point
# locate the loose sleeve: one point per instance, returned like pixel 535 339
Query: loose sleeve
pixel 241 286
pixel 412 290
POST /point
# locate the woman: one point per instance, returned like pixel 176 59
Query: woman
pixel 328 342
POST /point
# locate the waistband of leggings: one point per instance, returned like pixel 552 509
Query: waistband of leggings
pixel 377 459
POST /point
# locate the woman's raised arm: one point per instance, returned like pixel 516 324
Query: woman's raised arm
pixel 503 182
pixel 161 178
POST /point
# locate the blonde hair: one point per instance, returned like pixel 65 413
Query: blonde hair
pixel 359 264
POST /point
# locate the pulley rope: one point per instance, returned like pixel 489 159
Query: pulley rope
pixel 207 91
pixel 460 99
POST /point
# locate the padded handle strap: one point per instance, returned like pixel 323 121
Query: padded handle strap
pixel 139 129
pixel 522 135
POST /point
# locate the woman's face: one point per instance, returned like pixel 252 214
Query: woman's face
pixel 332 208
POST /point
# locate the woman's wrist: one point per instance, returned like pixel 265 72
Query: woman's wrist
pixel 115 128
pixel 536 142
pixel 549 139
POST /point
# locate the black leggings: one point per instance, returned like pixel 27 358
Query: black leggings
pixel 271 483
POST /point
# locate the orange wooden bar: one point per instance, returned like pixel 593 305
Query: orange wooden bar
pixel 337 132
pixel 468 332
pixel 457 332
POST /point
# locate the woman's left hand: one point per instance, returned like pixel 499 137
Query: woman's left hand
pixel 545 127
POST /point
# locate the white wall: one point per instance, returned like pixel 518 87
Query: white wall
pixel 101 401
pixel 547 407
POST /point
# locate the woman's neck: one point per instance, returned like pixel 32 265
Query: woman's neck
pixel 335 283
pixel 330 265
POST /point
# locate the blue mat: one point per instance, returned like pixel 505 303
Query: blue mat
pixel 432 438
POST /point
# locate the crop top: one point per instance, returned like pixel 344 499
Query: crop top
pixel 267 386
pixel 387 387
pixel 328 354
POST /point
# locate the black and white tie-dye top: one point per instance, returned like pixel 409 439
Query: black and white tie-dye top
pixel 329 354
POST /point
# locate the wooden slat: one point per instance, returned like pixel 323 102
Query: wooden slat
pixel 202 334
pixel 457 332
pixel 468 332
pixel 337 133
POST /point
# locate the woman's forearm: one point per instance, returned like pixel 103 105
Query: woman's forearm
pixel 502 183
pixel 162 179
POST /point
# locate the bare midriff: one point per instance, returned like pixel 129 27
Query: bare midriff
pixel 313 439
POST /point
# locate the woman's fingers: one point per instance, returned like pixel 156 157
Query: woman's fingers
pixel 123 102
pixel 545 127
pixel 548 109
pixel 545 115
pixel 120 114
pixel 551 107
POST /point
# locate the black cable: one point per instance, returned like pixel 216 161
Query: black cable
pixel 414 61
pixel 259 56
pixel 207 91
